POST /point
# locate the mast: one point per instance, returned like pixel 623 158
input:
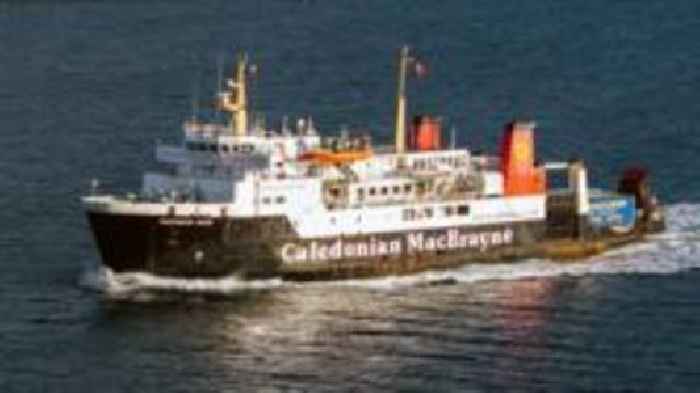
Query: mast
pixel 400 121
pixel 235 100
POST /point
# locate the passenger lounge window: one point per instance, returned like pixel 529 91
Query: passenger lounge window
pixel 463 210
pixel 409 214
pixel 449 211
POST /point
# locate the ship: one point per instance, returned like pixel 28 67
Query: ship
pixel 237 198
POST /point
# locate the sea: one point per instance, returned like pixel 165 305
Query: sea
pixel 87 88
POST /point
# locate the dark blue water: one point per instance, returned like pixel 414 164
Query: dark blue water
pixel 86 88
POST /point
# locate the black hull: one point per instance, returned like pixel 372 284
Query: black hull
pixel 269 247
pixel 188 246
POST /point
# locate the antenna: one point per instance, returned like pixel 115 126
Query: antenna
pixel 285 125
pixel 219 71
pixel 219 80
pixel 195 97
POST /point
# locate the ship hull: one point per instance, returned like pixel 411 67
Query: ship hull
pixel 259 247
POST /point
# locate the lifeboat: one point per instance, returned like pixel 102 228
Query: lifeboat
pixel 331 157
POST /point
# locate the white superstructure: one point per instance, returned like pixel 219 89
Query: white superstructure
pixel 326 187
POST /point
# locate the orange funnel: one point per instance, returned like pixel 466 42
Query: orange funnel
pixel 425 134
pixel 520 175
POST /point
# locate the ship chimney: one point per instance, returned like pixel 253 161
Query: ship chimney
pixel 521 176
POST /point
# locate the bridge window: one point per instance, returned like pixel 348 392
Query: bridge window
pixel 196 146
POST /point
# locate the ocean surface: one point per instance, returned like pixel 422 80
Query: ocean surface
pixel 88 87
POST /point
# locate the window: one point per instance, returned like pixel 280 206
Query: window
pixel 396 189
pixel 372 191
pixel 407 188
pixel 409 214
pixel 335 192
pixel 235 148
pixel 428 212
pixel 266 200
pixel 281 199
pixel 224 148
pixel 213 147
pixel 449 211
pixel 360 194
pixel 385 190
pixel 462 210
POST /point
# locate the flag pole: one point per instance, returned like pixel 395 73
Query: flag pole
pixel 400 121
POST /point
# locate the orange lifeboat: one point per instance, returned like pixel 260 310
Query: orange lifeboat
pixel 330 157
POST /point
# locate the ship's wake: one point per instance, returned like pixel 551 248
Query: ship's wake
pixel 675 250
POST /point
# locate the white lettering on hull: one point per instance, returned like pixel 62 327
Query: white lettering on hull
pixel 410 243
pixel 175 221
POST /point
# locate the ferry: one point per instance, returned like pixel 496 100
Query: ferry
pixel 238 198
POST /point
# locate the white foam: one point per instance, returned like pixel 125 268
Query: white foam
pixel 677 249
pixel 120 285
